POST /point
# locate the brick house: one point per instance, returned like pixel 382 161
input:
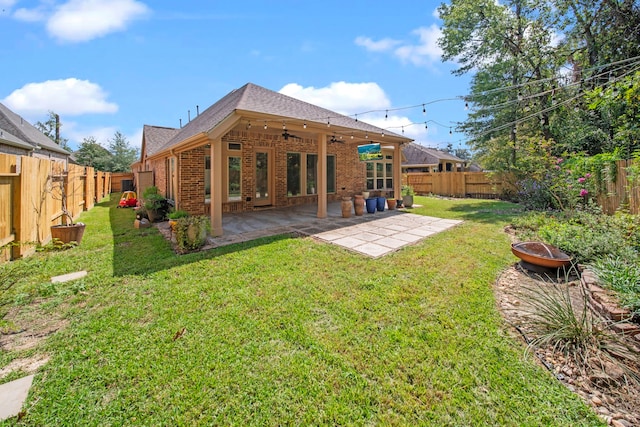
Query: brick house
pixel 256 148
pixel 419 158
pixel 20 138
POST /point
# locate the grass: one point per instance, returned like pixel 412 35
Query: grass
pixel 283 331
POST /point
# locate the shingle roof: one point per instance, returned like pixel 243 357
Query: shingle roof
pixel 155 137
pixel 23 130
pixel 417 154
pixel 256 99
pixel 9 139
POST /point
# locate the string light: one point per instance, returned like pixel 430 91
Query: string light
pixel 304 125
pixel 386 114
pixel 356 117
pixel 424 110
pixel 366 135
pixel 265 125
pixel 328 122
pixel 249 125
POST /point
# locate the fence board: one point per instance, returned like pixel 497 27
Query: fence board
pixel 31 200
pixel 454 184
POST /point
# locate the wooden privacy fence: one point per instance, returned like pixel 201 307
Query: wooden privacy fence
pixel 621 191
pixel 31 199
pixel 455 184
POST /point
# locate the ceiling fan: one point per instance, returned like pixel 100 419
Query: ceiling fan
pixel 286 135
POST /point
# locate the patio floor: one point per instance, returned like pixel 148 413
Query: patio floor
pixel 373 235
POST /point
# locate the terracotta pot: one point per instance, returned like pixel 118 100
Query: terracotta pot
pixel 358 205
pixel 68 233
pixel 391 204
pixel 346 207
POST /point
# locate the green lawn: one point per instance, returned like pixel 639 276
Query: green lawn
pixel 284 331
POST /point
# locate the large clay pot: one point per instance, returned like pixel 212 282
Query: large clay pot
pixel 380 201
pixel 346 207
pixel 358 205
pixel 68 233
pixel 371 205
pixel 407 201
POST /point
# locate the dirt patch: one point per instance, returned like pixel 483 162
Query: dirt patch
pixel 600 382
pixel 28 365
pixel 31 327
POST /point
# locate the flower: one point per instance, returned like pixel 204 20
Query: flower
pixel 581 180
pixel 588 175
pixel 583 192
pixel 559 160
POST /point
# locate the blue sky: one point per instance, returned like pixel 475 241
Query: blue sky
pixel 107 65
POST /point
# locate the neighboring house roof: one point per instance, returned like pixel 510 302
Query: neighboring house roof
pixel 23 130
pixel 8 139
pixel 417 154
pixel 252 98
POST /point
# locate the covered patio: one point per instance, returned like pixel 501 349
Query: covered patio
pixel 372 235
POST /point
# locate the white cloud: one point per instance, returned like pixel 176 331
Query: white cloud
pixel 424 52
pixel 77 133
pixel 7 3
pixel 382 45
pixel 342 97
pixel 30 15
pixel 83 20
pixel 70 97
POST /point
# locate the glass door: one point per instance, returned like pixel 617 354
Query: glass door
pixel 264 186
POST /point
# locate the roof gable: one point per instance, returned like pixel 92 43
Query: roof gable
pixel 256 99
pixel 26 132
pixel 9 139
pixel 155 137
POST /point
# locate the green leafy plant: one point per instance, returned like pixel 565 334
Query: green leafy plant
pixel 177 214
pixel 191 232
pixel 623 277
pixel 155 203
pixel 407 190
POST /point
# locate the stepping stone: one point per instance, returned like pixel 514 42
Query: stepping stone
pixel 13 395
pixel 69 277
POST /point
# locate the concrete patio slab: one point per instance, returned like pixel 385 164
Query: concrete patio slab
pixel 12 396
pixel 372 235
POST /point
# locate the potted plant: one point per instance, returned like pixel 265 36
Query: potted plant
pixel 191 232
pixel 407 196
pixel 174 216
pixel 155 204
pixel 68 231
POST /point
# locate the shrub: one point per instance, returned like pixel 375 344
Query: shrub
pixel 623 277
pixel 191 232
pixel 177 214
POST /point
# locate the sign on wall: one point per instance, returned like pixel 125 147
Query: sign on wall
pixel 369 152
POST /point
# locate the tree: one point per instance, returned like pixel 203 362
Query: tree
pixel 93 154
pixel 535 64
pixel 51 128
pixel 122 154
pixel 508 46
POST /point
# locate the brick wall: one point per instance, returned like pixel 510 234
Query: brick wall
pixel 350 172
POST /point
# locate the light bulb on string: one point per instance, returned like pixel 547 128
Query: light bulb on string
pixel 265 125
pixel 351 135
pixel 284 126
pixel 249 125
pixel 366 135
pixel 426 126
pixel 424 110
pixel 356 117
pixel 386 114
pixel 403 130
pixel 328 122
pixel 382 135
pixel 466 105
pixel 450 131
pixel 304 125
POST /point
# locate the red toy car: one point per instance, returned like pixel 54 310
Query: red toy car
pixel 128 200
